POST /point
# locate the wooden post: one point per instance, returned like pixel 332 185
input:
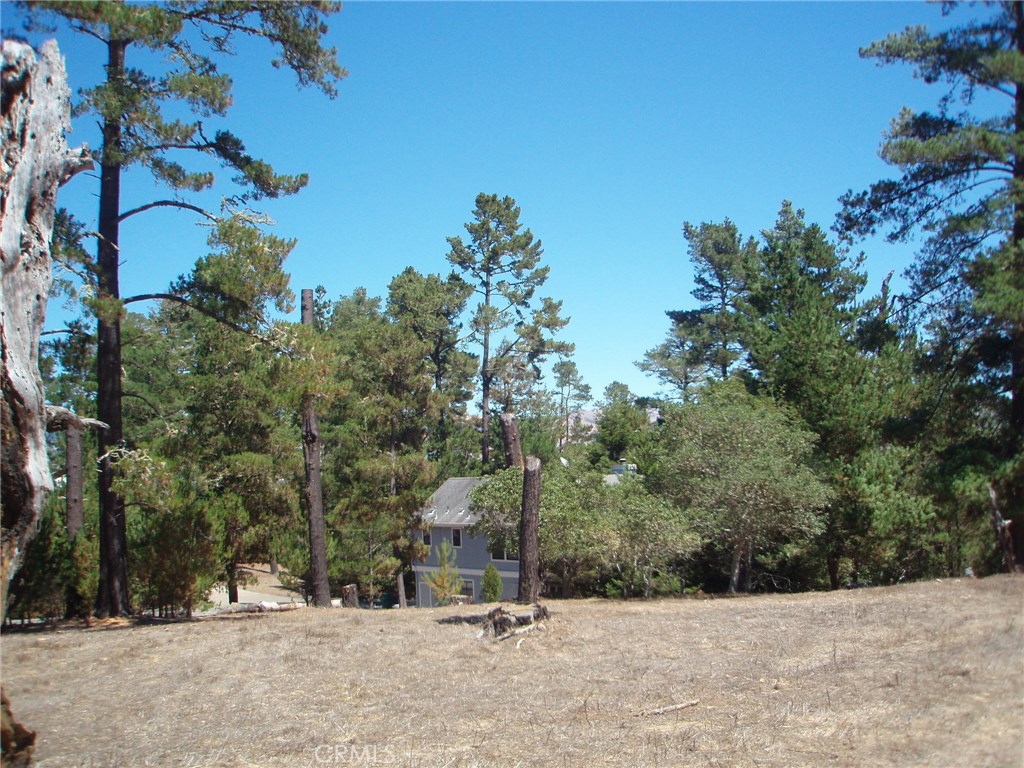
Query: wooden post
pixel 529 533
pixel 312 451
pixel 510 436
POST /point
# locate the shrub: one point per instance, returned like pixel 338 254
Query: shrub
pixel 492 586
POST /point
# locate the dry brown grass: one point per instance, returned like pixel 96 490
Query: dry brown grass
pixel 919 675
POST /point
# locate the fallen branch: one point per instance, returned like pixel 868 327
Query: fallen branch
pixel 520 631
pixel 502 623
pixel 670 708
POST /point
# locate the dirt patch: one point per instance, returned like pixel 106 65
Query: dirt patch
pixel 919 675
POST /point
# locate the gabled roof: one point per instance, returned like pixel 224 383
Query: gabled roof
pixel 450 503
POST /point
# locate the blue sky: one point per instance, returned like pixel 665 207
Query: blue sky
pixel 611 124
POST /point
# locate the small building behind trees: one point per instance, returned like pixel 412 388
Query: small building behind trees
pixel 448 516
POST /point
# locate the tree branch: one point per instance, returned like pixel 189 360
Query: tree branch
pixel 167 204
pixel 203 311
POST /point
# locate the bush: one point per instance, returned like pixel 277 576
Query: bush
pixel 492 586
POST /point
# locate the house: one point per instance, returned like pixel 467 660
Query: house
pixel 447 517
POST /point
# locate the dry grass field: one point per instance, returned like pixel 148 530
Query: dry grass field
pixel 925 674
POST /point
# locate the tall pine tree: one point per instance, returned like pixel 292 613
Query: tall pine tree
pixel 961 182
pixel 133 108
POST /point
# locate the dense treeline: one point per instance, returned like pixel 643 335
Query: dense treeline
pixel 815 428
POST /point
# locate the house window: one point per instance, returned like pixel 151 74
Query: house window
pixel 456 537
pixel 500 553
pixel 426 538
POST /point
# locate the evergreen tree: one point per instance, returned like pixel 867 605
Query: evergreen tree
pixel 502 263
pixel 491 587
pixel 720 258
pixel 961 183
pixel 133 107
pixel 445 582
pixel 573 394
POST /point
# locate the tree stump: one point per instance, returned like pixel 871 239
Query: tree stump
pixel 503 623
pixel 350 596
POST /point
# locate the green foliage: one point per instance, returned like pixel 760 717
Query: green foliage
pixel 649 535
pixel 740 465
pixel 40 587
pixel 491 586
pixel 445 582
pixel 501 262
pixel 590 531
pixel 960 185
pixel 172 534
pixel 622 426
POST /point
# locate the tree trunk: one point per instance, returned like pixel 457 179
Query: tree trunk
pixel 529 533
pixel 736 574
pixel 34 115
pixel 510 436
pixel 1015 490
pixel 400 584
pixel 74 482
pixel 60 419
pixel 112 598
pixel 312 450
pixel 232 584
pixel 36 161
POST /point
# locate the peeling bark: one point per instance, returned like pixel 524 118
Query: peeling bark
pixel 36 161
pixel 34 114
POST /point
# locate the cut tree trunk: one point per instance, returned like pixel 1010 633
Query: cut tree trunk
pixel 350 596
pixel 75 483
pixel 529 533
pixel 312 450
pixel 510 436
pixel 35 112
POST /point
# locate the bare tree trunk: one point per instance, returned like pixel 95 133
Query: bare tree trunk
pixel 74 482
pixel 312 450
pixel 737 569
pixel 34 115
pixel 60 419
pixel 1003 530
pixel 510 436
pixel 529 533
pixel 400 584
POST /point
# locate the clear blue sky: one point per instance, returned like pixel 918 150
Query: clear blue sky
pixel 611 124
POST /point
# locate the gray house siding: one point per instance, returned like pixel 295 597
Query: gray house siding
pixel 447 512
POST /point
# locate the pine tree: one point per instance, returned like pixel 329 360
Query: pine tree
pixel 502 261
pixel 445 582
pixel 961 184
pixel 491 587
pixel 130 105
